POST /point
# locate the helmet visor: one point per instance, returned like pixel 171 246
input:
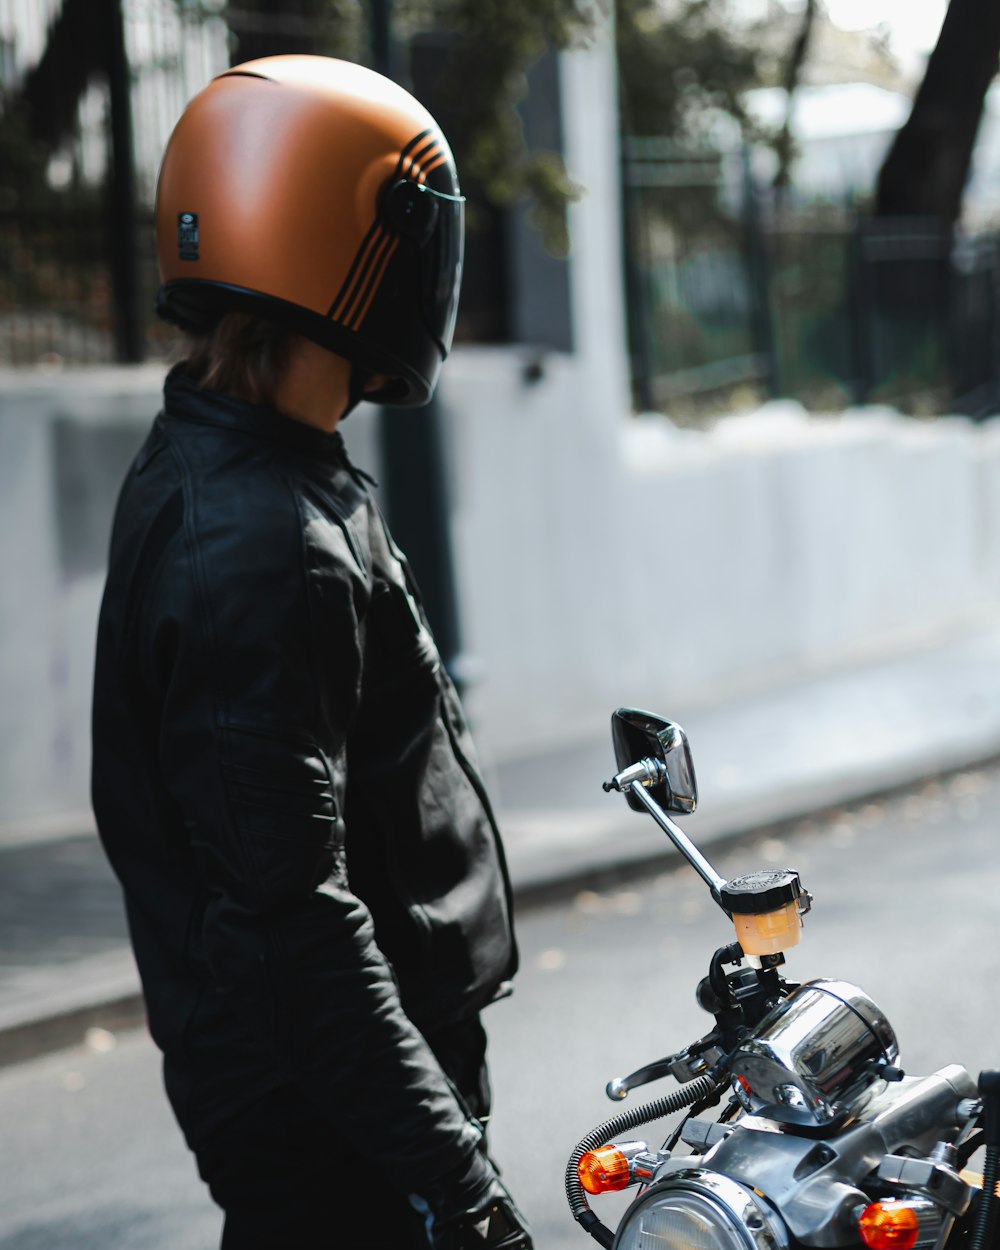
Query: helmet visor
pixel 441 269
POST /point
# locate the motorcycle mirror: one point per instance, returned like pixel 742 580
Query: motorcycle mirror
pixel 636 735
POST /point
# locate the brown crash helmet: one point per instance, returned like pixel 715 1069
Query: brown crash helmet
pixel 320 195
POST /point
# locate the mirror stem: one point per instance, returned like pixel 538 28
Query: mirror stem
pixel 683 843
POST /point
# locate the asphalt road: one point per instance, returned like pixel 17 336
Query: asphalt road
pixel 906 906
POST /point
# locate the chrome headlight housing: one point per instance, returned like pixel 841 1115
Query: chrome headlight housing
pixel 810 1059
pixel 696 1209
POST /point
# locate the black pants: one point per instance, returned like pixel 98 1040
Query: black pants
pixel 287 1181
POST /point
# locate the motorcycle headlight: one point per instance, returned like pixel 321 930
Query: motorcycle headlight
pixel 699 1210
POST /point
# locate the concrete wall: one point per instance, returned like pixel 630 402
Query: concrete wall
pixel 668 568
pixel 65 441
pixel 601 559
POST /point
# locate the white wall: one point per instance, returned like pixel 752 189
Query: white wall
pixel 54 516
pixel 601 560
pixel 661 566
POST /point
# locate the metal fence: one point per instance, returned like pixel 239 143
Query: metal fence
pixel 723 291
pixel 691 272
pixel 57 294
pixel 89 90
pixel 89 93
pixel 819 303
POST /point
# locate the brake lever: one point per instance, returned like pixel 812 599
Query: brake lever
pixel 618 1087
pixel 684 1066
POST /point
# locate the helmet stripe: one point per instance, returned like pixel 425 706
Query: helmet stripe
pixel 373 286
pixel 359 265
pixel 423 154
pixel 357 290
pixel 410 146
pixel 439 159
pixel 367 277
pixel 362 257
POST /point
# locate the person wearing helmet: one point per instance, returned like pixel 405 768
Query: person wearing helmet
pixel 283 777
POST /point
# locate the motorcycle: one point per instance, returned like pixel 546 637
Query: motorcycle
pixel 821 1139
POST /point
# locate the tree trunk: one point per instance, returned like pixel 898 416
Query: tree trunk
pixel 76 49
pixel 927 166
pixel 784 145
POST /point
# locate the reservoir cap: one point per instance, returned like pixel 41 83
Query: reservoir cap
pixel 760 892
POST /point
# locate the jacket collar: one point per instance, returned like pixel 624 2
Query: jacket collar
pixel 186 400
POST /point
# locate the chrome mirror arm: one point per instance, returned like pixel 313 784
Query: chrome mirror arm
pixel 681 841
pixel 648 772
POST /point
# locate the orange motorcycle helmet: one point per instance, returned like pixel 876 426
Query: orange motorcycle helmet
pixel 322 196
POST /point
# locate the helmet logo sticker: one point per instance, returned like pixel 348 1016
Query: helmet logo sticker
pixel 187 236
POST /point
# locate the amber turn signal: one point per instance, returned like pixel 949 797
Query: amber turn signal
pixel 604 1170
pixel 889 1225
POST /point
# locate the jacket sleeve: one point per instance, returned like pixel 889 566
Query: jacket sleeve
pixel 254 641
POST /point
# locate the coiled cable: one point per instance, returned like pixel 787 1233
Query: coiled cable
pixel 702 1087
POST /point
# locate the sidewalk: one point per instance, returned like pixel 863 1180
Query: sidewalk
pixel 765 759
pixel 64 958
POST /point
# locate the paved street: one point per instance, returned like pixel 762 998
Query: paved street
pixel 905 905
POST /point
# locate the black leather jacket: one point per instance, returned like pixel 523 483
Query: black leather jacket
pixel 286 788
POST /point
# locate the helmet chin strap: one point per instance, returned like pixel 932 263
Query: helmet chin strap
pixel 356 389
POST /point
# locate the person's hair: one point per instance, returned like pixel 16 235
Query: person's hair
pixel 240 355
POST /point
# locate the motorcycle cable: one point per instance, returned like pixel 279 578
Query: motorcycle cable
pixel 717 979
pixel 696 1109
pixel 700 1088
pixel 740 1000
pixel 969 1148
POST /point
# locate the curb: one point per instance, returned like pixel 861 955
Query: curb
pixel 96 992
pixel 629 844
pixel 33 1038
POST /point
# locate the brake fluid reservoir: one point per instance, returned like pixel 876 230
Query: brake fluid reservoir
pixel 765 909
